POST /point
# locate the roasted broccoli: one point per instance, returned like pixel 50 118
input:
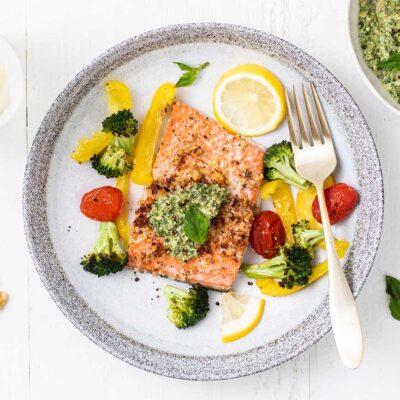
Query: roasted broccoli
pixel 107 255
pixel 279 164
pixel 305 237
pixel 122 123
pixel 124 127
pixel 186 307
pixel 125 143
pixel 111 162
pixel 292 266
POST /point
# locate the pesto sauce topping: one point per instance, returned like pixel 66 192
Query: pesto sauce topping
pixel 167 215
pixel 379 35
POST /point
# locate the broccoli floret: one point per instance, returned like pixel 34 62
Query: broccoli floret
pixel 107 255
pixel 122 123
pixel 111 162
pixel 305 237
pixel 186 307
pixel 292 266
pixel 124 127
pixel 279 164
pixel 125 143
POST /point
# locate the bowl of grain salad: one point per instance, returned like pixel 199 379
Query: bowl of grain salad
pixel 374 34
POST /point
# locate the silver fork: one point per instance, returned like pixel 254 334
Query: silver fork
pixel 315 160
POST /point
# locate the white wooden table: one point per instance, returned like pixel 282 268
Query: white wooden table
pixel 42 356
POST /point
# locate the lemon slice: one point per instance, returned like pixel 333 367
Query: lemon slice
pixel 249 100
pixel 241 313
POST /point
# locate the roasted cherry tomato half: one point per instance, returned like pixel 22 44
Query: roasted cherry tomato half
pixel 102 204
pixel 340 202
pixel 267 234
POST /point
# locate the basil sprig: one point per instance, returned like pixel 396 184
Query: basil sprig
pixel 190 73
pixel 196 225
pixel 393 289
pixel 392 63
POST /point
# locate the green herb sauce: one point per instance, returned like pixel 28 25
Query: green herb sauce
pixel 168 213
pixel 379 35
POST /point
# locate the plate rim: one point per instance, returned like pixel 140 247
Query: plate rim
pixel 62 291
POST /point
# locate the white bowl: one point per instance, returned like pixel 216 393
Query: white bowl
pixel 15 80
pixel 369 77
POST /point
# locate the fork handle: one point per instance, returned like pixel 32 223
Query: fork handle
pixel 344 316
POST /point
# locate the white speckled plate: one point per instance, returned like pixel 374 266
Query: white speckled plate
pixel 127 318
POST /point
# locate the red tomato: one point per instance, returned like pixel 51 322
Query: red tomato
pixel 102 204
pixel 267 234
pixel 340 201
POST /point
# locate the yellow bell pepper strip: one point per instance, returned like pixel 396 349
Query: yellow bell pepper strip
pixel 122 184
pixel 341 246
pixel 270 286
pixel 118 97
pixel 304 202
pixel 146 141
pixel 282 199
pixel 88 147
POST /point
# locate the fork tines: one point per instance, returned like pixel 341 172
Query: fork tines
pixel 317 136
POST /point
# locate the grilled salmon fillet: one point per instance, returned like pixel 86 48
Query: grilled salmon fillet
pixel 196 149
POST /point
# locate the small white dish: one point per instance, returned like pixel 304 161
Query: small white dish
pixel 369 77
pixel 14 78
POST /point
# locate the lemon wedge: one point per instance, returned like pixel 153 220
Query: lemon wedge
pixel 241 313
pixel 249 100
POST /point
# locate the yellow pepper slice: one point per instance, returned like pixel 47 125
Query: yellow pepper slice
pixel 148 134
pixel 341 246
pixel 88 147
pixel 304 202
pixel 118 96
pixel 122 184
pixel 282 199
pixel 270 286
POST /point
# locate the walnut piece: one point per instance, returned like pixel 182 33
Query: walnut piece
pixel 3 299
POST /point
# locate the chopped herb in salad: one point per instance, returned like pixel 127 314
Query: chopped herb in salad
pixel 379 35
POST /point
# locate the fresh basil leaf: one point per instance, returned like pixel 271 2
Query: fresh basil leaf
pixel 394 307
pixel 190 75
pixel 392 63
pixel 202 66
pixel 184 67
pixel 196 225
pixel 393 287
pixel 187 79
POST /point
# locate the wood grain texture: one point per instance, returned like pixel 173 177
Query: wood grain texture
pixel 42 356
pixel 14 319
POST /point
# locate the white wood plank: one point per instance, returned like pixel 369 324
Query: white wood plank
pixel 54 58
pixel 14 328
pixel 378 373
pixel 65 36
